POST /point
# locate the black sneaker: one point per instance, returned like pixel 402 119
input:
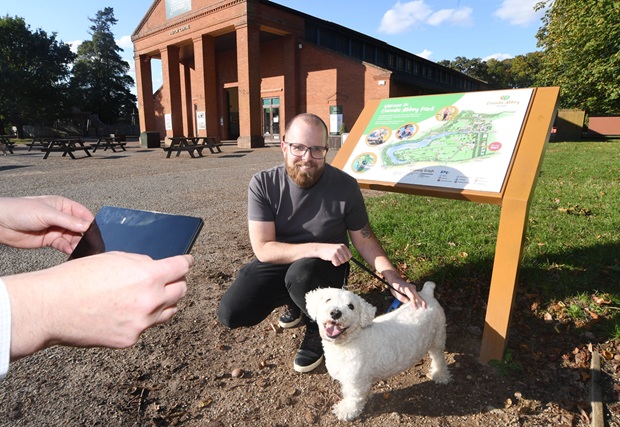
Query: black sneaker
pixel 310 354
pixel 290 317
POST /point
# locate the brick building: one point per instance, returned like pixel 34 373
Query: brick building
pixel 238 69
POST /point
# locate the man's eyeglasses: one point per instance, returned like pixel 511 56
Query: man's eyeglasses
pixel 299 150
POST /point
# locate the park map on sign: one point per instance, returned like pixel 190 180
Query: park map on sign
pixel 463 141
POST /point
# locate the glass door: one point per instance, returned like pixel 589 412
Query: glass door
pixel 271 119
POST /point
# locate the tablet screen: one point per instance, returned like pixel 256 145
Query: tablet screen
pixel 156 234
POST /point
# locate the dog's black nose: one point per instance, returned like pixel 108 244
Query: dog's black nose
pixel 335 314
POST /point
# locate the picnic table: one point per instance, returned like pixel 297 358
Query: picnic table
pixel 192 144
pixel 38 141
pixel 64 145
pixel 210 142
pixel 109 142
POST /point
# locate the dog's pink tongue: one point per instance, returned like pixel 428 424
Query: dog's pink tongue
pixel 332 330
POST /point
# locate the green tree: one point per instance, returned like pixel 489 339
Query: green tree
pixel 475 67
pixel 525 69
pixel 581 44
pixel 100 81
pixel 34 72
pixel 498 73
pixel 518 72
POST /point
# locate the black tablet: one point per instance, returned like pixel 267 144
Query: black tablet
pixel 158 235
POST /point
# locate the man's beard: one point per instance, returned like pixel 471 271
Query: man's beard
pixel 305 179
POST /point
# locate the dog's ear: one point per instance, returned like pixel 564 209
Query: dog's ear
pixel 368 313
pixel 312 303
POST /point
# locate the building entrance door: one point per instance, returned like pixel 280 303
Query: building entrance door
pixel 271 119
pixel 232 106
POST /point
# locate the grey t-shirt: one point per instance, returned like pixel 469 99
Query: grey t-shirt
pixel 322 213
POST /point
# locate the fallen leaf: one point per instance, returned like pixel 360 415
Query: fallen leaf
pixel 205 403
pixel 600 300
pixel 607 355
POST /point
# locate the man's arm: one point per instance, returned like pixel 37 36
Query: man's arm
pixel 268 249
pixel 373 253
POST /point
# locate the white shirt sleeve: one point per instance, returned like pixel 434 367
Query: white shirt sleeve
pixel 5 330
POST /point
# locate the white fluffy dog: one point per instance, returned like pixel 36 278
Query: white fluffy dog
pixel 361 349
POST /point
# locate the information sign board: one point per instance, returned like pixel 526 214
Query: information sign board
pixel 460 141
pixel 476 146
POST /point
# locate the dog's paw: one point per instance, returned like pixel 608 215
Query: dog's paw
pixel 347 411
pixel 440 377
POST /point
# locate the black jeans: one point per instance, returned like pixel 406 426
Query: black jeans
pixel 261 287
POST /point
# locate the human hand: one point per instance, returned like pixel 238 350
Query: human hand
pixel 104 300
pixel 406 292
pixel 35 222
pixel 337 253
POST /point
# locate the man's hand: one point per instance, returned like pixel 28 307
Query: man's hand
pixel 336 253
pixel 408 289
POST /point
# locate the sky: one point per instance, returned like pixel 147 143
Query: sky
pixel 433 29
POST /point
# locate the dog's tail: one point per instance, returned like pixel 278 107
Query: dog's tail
pixel 428 290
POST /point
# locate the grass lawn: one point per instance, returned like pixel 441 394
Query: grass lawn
pixel 571 262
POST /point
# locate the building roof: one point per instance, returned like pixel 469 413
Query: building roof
pixel 405 67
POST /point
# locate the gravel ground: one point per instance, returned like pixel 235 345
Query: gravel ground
pixel 180 373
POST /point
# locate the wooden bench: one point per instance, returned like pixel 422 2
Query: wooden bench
pixel 109 142
pixel 197 148
pixel 182 143
pixel 189 148
pixel 212 144
pixel 66 146
pixel 38 142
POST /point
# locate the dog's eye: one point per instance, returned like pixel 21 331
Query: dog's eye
pixel 328 300
pixel 351 307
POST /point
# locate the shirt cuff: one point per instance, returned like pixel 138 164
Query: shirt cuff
pixel 5 330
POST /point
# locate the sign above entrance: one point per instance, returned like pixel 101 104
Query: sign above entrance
pixel 177 7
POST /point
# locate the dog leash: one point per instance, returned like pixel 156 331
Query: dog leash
pixel 376 276
pixel 396 303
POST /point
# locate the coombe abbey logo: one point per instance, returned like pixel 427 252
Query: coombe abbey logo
pixel 504 101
